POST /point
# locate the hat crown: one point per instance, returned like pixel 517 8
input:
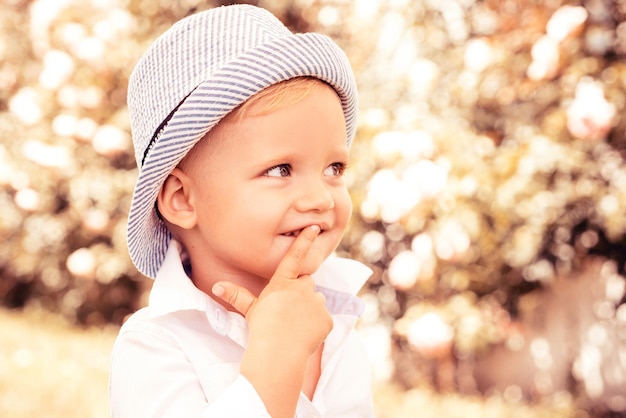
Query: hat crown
pixel 200 45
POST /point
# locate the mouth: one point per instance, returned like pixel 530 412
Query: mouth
pixel 295 233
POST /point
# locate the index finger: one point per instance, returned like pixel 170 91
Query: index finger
pixel 291 264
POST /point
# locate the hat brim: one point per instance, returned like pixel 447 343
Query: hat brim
pixel 281 59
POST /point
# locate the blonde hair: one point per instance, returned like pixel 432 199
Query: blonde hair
pixel 281 94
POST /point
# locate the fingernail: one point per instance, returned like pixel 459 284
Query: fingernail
pixel 218 290
pixel 316 228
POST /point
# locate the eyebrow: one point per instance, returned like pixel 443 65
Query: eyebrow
pixel 274 161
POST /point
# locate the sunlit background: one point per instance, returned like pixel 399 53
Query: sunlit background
pixel 488 177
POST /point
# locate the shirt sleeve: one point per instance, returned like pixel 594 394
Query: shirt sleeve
pixel 239 400
pixel 151 377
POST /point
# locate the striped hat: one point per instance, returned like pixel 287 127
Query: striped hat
pixel 193 75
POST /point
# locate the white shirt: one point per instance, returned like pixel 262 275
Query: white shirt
pixel 179 357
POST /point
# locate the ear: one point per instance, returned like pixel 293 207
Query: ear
pixel 174 201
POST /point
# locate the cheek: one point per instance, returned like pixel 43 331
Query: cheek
pixel 343 207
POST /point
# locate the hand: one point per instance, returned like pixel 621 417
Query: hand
pixel 288 311
pixel 287 322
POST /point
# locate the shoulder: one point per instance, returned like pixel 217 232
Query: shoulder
pixel 150 328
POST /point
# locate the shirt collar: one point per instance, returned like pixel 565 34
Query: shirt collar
pixel 174 291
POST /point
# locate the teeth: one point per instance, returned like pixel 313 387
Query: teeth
pixel 295 233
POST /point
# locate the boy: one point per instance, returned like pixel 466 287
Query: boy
pixel 241 133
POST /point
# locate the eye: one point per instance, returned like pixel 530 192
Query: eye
pixel 335 169
pixel 281 170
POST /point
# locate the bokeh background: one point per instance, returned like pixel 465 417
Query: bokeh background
pixel 488 176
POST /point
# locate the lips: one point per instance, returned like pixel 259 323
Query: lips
pixel 296 232
pixel 292 233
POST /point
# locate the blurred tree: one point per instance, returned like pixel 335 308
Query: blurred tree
pixel 495 180
pixel 487 178
pixel 67 167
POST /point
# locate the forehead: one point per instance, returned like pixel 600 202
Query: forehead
pixel 276 97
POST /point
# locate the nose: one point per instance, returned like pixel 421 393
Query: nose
pixel 315 195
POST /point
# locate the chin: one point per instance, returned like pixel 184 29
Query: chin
pixel 314 259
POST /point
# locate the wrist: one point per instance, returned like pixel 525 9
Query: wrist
pixel 276 374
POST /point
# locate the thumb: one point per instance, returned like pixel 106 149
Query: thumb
pixel 236 296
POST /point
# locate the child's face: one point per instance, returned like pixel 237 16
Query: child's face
pixel 261 179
